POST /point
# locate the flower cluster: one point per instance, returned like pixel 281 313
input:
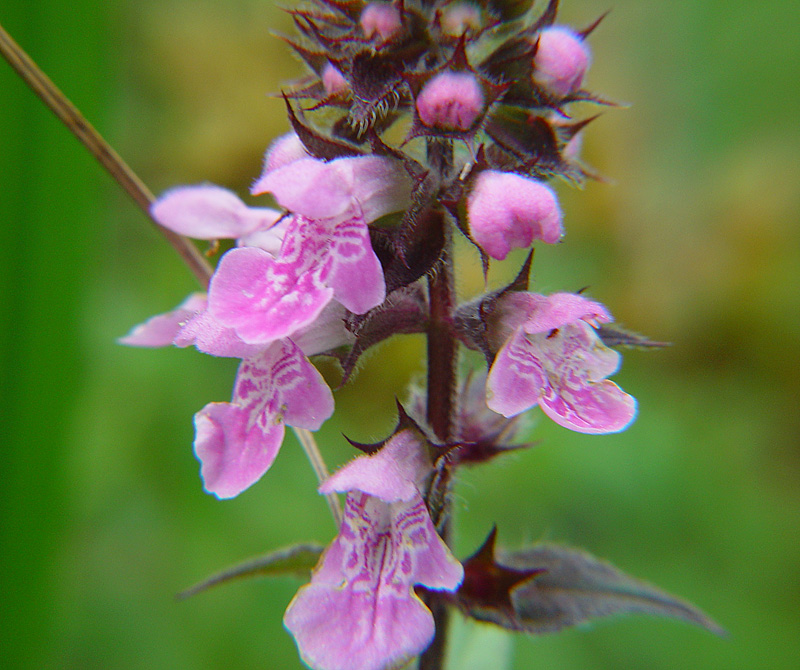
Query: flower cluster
pixel 360 251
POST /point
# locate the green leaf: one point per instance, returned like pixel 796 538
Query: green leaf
pixel 614 336
pixel 297 560
pixel 575 587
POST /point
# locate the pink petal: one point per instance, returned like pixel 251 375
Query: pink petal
pixel 161 330
pixel 356 273
pixel 561 60
pixel 327 332
pixel 360 611
pixel 211 337
pixel 450 100
pixel 237 442
pixel 305 398
pixel 600 407
pixel 268 239
pixel 379 185
pixel 265 299
pixel 516 379
pixel 309 187
pixel 507 211
pixel 365 186
pixel 333 80
pixel 390 474
pixel 233 453
pixel 286 149
pixel 579 397
pixel 209 212
pixel 322 622
pixel 382 19
pixel 560 309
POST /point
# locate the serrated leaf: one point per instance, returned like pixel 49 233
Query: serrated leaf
pixel 297 560
pixel 575 587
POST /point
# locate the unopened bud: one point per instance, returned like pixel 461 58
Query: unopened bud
pixel 561 61
pixel 333 81
pixel 381 19
pixel 459 18
pixel 507 211
pixel 451 101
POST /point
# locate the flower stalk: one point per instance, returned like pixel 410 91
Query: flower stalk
pixel 361 250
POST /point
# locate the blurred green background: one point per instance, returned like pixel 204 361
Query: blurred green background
pixel 697 242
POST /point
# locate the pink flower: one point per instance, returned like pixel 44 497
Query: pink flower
pixel 237 442
pixel 552 357
pixel 450 101
pixel 326 250
pixel 360 611
pixel 561 61
pixel 507 211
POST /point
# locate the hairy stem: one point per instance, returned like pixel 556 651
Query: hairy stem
pixel 442 359
pixel 60 105
pixel 442 355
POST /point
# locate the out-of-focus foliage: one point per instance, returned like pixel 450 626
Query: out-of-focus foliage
pixel 696 243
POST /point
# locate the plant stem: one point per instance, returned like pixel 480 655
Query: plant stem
pixel 309 444
pixel 119 170
pixel 442 359
pixel 442 348
pixel 60 105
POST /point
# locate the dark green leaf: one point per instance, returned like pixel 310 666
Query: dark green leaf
pixel 297 560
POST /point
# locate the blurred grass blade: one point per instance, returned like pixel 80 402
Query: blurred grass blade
pixel 102 151
pixel 296 560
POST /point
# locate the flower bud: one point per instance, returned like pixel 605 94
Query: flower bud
pixel 451 101
pixel 561 61
pixel 459 18
pixel 381 19
pixel 333 81
pixel 506 211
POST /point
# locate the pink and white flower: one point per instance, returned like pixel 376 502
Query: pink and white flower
pixel 551 356
pixel 326 251
pixel 360 611
pixel 236 442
